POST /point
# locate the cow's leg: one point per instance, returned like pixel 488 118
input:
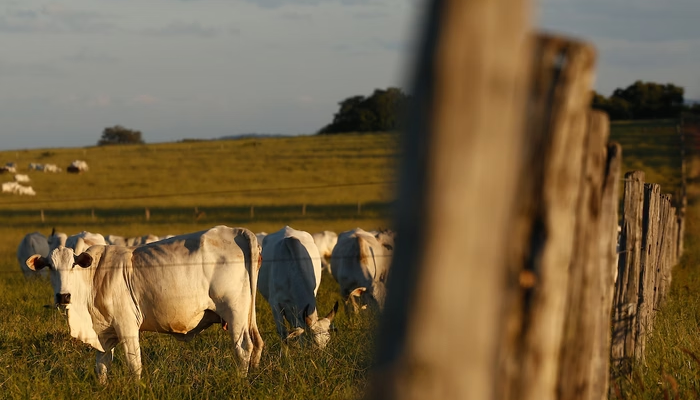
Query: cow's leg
pixel 132 348
pixel 238 328
pixel 278 314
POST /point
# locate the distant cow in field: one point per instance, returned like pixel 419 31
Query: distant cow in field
pixel 141 240
pixel 289 278
pixel 9 167
pixel 360 263
pixel 115 240
pixel 32 243
pixel 325 241
pixel 77 166
pixel 21 178
pixel 16 188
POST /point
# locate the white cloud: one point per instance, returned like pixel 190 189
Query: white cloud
pixel 181 28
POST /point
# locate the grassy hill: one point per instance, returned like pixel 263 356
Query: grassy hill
pixel 223 179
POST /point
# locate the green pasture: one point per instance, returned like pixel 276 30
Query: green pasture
pixel 310 183
pixel 334 182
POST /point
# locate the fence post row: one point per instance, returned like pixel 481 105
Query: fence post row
pixel 519 305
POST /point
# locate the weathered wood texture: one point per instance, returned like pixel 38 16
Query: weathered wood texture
pixel 607 243
pixel 629 268
pixel 649 256
pixel 462 155
pixel 544 237
pixel 591 272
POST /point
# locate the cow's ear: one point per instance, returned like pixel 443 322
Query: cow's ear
pixel 84 260
pixel 37 262
pixel 295 333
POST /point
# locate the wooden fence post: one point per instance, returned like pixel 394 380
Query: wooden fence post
pixel 461 159
pixel 544 229
pixel 650 249
pixel 42 216
pixel 92 215
pixel 147 213
pixel 252 212
pixel 683 200
pixel 303 209
pixel 580 358
pixel 627 286
pixel 608 260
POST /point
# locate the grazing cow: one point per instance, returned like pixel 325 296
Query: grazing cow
pixel 289 278
pixel 361 262
pixel 77 167
pixel 261 237
pixel 21 178
pixel 16 188
pixel 179 286
pixel 325 241
pixel 78 242
pixel 51 168
pixel 115 240
pixel 9 167
pixel 32 243
pixel 141 240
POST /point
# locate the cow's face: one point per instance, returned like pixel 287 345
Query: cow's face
pixel 321 328
pixel 68 281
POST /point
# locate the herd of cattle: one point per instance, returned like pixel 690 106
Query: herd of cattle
pixel 15 187
pixel 183 284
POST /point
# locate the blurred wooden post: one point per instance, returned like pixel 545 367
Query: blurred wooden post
pixel 439 333
pixel 667 253
pixel 148 214
pixel 359 207
pixel 607 241
pixel 252 212
pixel 650 248
pixel 92 215
pixel 627 286
pixel 303 209
pixel 42 216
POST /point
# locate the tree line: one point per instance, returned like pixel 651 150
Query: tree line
pixel 382 111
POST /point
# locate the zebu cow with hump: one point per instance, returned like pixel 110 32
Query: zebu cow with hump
pixel 289 278
pixel 360 263
pixel 32 243
pixel 179 286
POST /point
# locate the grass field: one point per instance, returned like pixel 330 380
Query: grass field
pixel 39 360
pixel 330 174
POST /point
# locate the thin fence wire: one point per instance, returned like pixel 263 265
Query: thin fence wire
pixel 200 193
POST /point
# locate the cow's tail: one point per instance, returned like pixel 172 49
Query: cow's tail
pixel 253 269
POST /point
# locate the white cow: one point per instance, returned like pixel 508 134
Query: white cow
pixel 361 262
pixel 325 241
pixel 115 240
pixel 21 178
pixel 77 166
pixel 52 168
pixel 78 242
pixel 141 240
pixel 261 237
pixel 179 286
pixel 16 188
pixel 289 278
pixel 32 243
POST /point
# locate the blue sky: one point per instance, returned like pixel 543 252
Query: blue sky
pixel 179 69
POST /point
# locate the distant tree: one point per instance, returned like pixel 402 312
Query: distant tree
pixel 642 100
pixel 120 135
pixel 378 113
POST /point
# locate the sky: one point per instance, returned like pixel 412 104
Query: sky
pixel 177 69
